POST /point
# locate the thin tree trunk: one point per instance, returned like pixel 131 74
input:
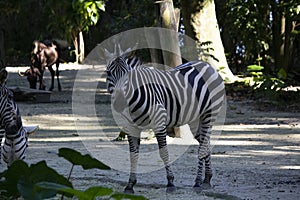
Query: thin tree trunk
pixel 81 48
pixel 276 32
pixel 288 44
pixel 171 41
pixel 76 46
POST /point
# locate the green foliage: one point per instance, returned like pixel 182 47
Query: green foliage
pixel 39 181
pixel 119 196
pixel 76 158
pixel 20 179
pixel 250 17
pixel 262 32
pixel 72 17
pixel 204 51
pixel 87 12
pixel 255 71
pixel 89 194
pixel 266 86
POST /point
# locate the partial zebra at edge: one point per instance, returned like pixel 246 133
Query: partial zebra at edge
pixel 13 136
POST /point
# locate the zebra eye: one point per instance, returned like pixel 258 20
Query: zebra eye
pixel 10 95
pixel 108 72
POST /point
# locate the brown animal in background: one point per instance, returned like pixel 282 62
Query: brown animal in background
pixel 44 54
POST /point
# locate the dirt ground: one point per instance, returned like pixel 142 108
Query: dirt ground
pixel 257 155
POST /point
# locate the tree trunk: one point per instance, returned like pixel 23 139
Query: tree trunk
pixel 278 19
pixel 171 42
pixel 81 48
pixel 282 28
pixel 288 44
pixel 201 24
pixel 167 18
pixel 76 46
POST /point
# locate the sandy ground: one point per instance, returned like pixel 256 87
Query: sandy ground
pixel 257 156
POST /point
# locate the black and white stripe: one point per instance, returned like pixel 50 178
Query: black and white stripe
pixel 192 94
pixel 13 137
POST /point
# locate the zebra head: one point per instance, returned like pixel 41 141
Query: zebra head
pixel 117 64
pixel 10 118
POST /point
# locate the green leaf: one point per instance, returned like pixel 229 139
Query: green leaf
pixel 37 173
pixel 10 177
pixel 282 74
pixel 61 189
pixel 76 158
pixel 98 191
pixel 119 196
pixel 254 68
pixel 19 180
pixel 89 194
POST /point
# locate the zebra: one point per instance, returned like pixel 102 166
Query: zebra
pixel 191 93
pixel 13 136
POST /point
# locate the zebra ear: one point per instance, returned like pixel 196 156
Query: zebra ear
pixel 108 55
pixel 118 46
pixel 130 51
pixel 3 75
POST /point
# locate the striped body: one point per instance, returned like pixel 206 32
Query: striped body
pixel 13 138
pixel 160 99
pixel 191 94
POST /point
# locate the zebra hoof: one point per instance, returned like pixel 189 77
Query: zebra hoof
pixel 171 189
pixel 197 186
pixel 206 186
pixel 128 190
pixel 202 186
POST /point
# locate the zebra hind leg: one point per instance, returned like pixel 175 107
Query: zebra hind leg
pixel 204 158
pixel 205 184
pixel 134 143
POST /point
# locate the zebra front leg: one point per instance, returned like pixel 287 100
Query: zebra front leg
pixel 164 154
pixel 134 143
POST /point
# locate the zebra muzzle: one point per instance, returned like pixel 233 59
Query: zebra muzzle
pixel 11 129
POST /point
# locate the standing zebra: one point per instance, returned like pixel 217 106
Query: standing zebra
pixel 192 93
pixel 13 137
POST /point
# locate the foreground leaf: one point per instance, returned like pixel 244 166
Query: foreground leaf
pixel 76 158
pixel 89 194
pixel 20 179
pixel 119 196
pixel 10 177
